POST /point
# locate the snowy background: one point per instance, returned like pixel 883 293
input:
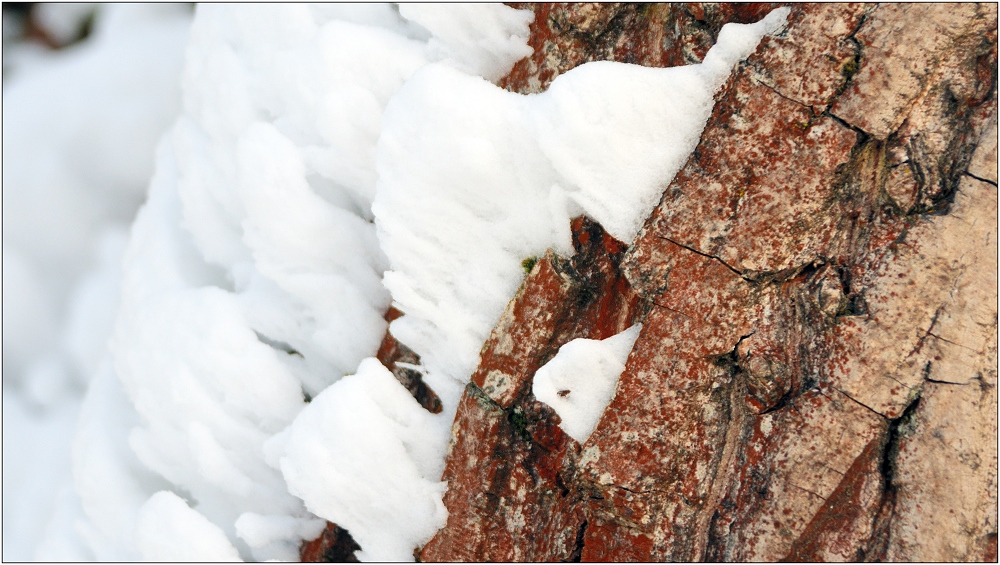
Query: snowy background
pixel 206 214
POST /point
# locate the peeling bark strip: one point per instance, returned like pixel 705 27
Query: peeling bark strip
pixel 816 374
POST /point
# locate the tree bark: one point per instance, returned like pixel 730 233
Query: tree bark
pixel 816 374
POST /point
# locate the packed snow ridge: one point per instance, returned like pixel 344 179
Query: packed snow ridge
pixel 328 161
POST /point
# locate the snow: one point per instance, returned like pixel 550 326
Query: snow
pixel 83 155
pixel 207 374
pixel 93 303
pixel 580 381
pixel 169 530
pixel 260 531
pixel 208 392
pixel 33 314
pixel 111 481
pixel 31 474
pixel 63 22
pixel 478 40
pixel 79 128
pixel 364 454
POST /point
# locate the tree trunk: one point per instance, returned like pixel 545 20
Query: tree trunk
pixel 816 374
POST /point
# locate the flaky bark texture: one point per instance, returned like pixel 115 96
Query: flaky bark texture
pixel 816 374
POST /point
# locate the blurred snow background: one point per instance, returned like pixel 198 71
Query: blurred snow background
pixel 80 125
pixel 192 379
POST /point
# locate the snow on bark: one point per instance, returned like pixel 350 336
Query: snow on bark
pixel 806 311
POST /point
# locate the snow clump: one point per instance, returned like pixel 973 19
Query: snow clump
pixel 580 381
pixel 377 453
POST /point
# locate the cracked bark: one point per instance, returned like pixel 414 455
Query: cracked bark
pixel 783 400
